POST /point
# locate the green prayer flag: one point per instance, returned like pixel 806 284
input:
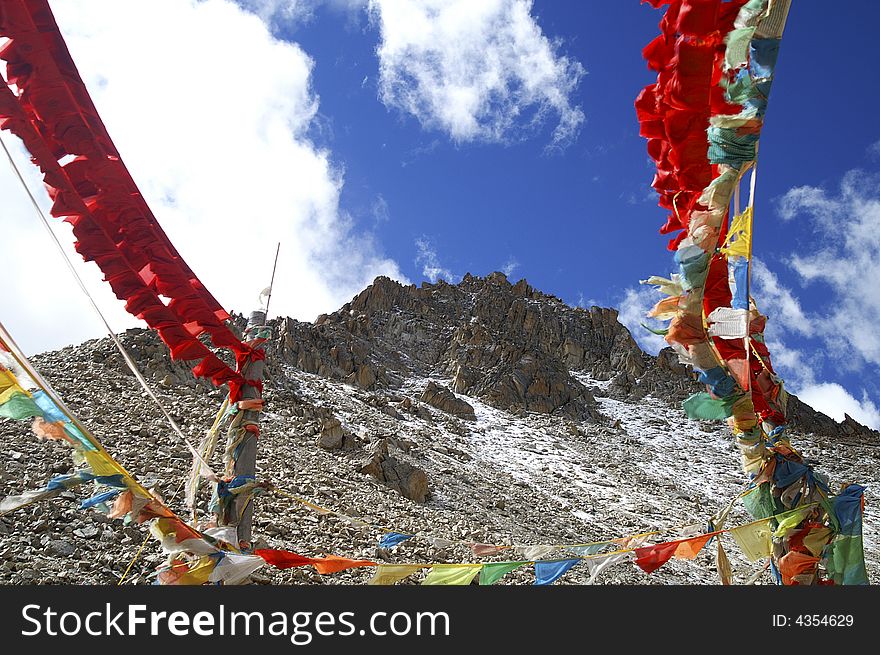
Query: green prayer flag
pixel 494 571
pixel 661 332
pixel 451 574
pixel 846 561
pixel 737 52
pixel 759 502
pixel 20 406
pixel 703 407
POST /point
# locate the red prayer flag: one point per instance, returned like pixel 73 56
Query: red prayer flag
pixel 651 558
pixel 282 559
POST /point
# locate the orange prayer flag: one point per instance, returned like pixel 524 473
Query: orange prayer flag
pixel 121 506
pixel 797 568
pixel 46 430
pixel 334 564
pixel 686 329
pixel 690 548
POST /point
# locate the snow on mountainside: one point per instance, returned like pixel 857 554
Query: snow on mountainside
pixel 533 423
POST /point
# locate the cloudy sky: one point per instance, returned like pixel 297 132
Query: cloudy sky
pixel 423 139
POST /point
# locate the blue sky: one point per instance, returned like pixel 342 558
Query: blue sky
pixel 433 138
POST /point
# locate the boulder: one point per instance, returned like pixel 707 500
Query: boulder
pixel 410 481
pixel 446 401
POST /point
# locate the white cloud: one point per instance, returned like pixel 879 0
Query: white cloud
pixel 835 401
pixel 289 14
pixel 427 258
pixel 777 301
pixel 510 266
pixel 380 210
pixel 217 138
pixel 479 71
pixel 635 304
pixel 846 260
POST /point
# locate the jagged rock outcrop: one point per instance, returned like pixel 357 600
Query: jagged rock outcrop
pixel 446 401
pixel 508 344
pixel 409 480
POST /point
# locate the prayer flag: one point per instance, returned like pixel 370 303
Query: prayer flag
pixel 494 571
pixel 754 539
pixel 388 574
pixel 392 539
pixel 548 572
pixel 451 574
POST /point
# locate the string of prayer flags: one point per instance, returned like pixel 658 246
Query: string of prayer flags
pixel 492 572
pixel 45 103
pixel 452 574
pixel 388 574
pixel 391 539
pixel 549 571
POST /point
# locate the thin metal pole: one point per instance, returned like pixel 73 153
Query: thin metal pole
pixel 272 281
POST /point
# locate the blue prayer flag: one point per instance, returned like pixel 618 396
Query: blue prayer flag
pixel 392 539
pixel 548 572
pixel 99 498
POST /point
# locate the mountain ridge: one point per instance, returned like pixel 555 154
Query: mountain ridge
pixel 485 411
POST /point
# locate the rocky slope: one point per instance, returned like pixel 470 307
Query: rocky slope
pixel 484 411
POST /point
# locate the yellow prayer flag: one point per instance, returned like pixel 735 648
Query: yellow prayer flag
pixel 791 519
pixel 739 239
pixel 7 380
pixel 754 539
pixel 388 574
pixel 817 539
pixel 199 574
pixel 452 574
pixel 102 464
pixel 7 394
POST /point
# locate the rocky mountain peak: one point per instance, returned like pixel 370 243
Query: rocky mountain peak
pixel 516 348
pixel 508 344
